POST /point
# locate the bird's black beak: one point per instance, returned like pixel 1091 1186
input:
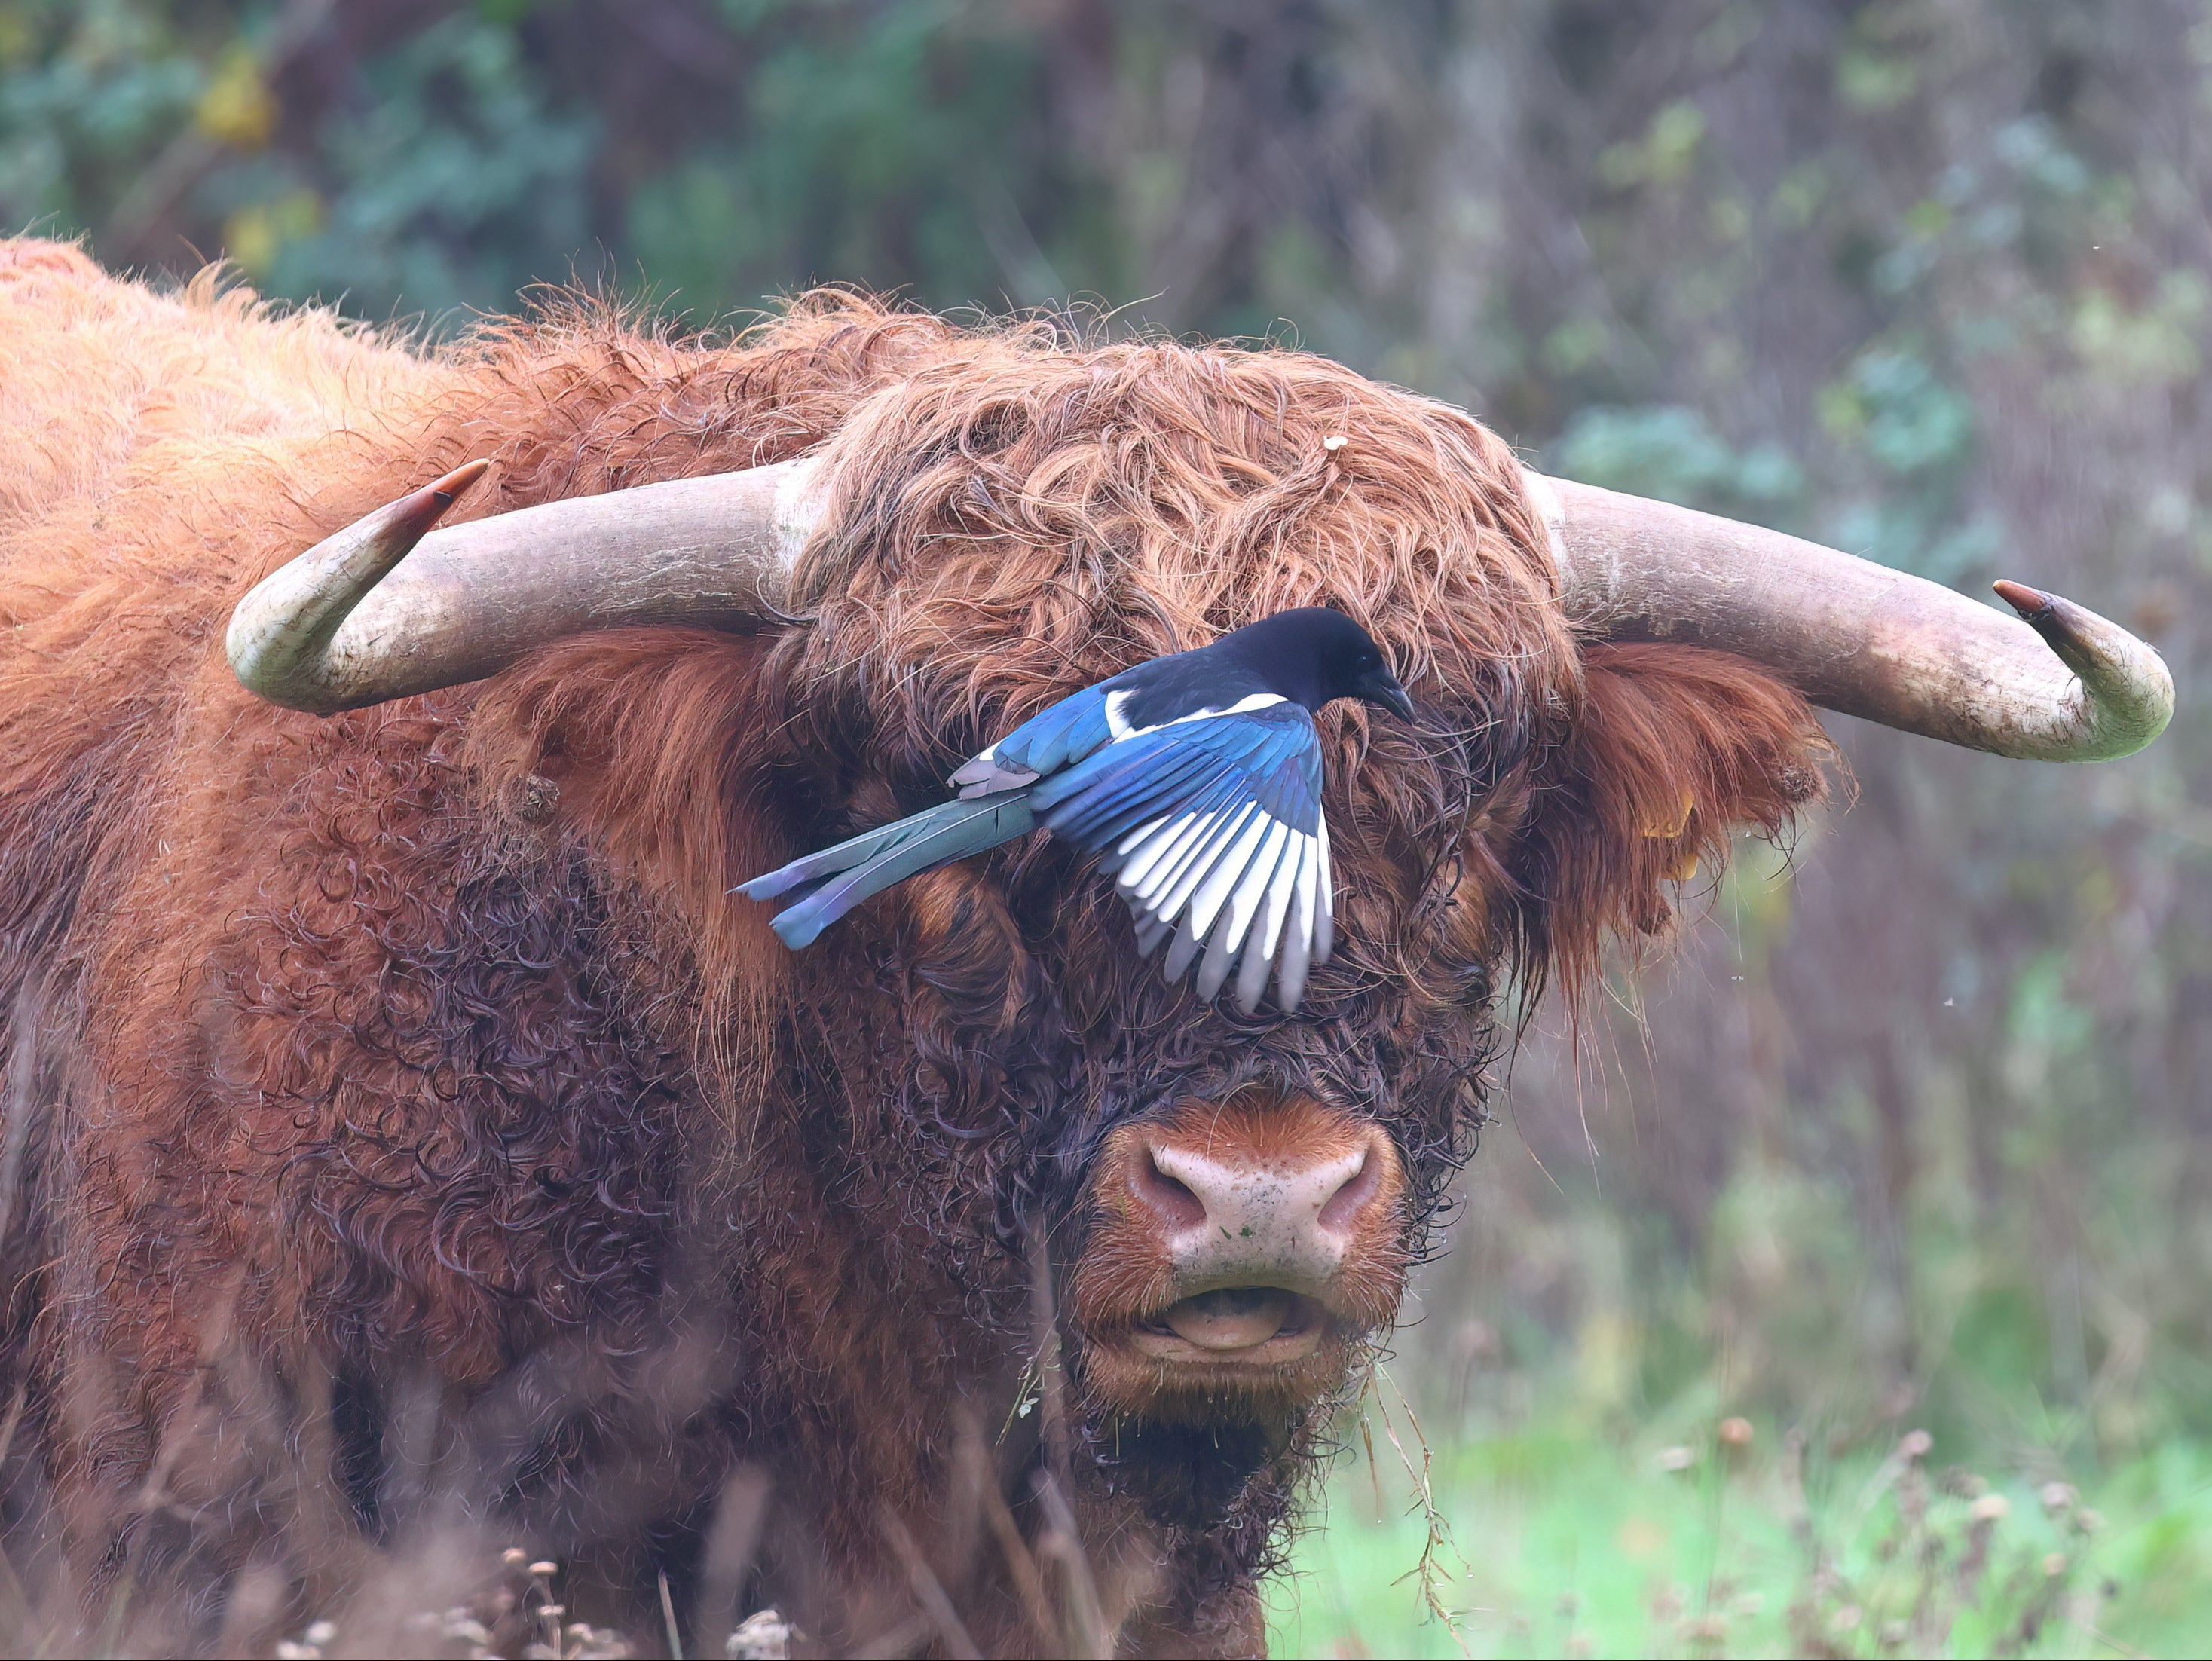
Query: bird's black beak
pixel 1383 689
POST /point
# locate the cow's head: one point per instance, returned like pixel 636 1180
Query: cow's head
pixel 1608 687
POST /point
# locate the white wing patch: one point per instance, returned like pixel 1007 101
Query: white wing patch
pixel 1237 889
pixel 1234 887
pixel 982 774
pixel 1117 702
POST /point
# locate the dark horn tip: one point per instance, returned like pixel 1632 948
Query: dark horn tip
pixel 458 484
pixel 2032 604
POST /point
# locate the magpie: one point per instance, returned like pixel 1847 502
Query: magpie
pixel 1197 778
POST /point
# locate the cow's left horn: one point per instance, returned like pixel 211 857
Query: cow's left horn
pixel 1856 637
pixel 347 624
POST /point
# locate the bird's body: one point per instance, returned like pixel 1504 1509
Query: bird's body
pixel 1197 777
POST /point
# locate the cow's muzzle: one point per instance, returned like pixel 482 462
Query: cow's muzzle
pixel 1236 1253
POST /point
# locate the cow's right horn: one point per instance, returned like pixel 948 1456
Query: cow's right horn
pixel 380 609
pixel 1856 637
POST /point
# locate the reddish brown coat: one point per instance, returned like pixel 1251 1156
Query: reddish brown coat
pixel 421 1047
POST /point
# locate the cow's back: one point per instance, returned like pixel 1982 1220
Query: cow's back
pixel 101 372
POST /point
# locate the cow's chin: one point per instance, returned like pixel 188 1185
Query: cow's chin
pixel 1238 1258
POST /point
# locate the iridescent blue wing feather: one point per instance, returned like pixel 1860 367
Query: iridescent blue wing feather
pixel 1213 827
pixel 1047 742
pixel 1210 826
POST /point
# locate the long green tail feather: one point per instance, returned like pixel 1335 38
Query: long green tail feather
pixel 867 864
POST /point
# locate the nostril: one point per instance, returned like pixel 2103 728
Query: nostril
pixel 1172 1198
pixel 1340 1211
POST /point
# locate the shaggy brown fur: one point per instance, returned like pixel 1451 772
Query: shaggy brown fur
pixel 409 1074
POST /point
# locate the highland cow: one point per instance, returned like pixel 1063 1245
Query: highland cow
pixel 403 1122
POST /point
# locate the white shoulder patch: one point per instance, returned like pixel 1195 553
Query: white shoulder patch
pixel 1121 729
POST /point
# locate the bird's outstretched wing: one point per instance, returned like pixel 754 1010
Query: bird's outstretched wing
pixel 1212 827
pixel 1052 739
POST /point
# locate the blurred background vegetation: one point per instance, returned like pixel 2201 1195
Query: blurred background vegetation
pixel 1911 1131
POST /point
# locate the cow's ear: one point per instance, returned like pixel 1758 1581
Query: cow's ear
pixel 666 753
pixel 1674 749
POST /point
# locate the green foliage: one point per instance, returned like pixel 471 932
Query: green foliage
pixel 1572 1545
pixel 882 151
pixel 1671 453
pixel 86 93
pixel 456 183
pixel 1914 438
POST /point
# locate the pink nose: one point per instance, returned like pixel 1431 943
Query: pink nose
pixel 1236 1222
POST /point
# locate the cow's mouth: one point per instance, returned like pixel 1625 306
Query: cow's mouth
pixel 1233 1353
pixel 1250 1326
pixel 1237 1255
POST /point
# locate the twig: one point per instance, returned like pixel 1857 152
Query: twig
pixel 1052 1385
pixel 727 1554
pixel 118 1602
pixel 1439 1538
pixel 928 1590
pixel 668 1618
pixel 1026 1392
pixel 1087 1636
pixel 1021 1562
pixel 2109 1642
pixel 1374 1470
pixel 9 1581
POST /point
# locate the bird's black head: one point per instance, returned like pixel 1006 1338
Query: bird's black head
pixel 1313 655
